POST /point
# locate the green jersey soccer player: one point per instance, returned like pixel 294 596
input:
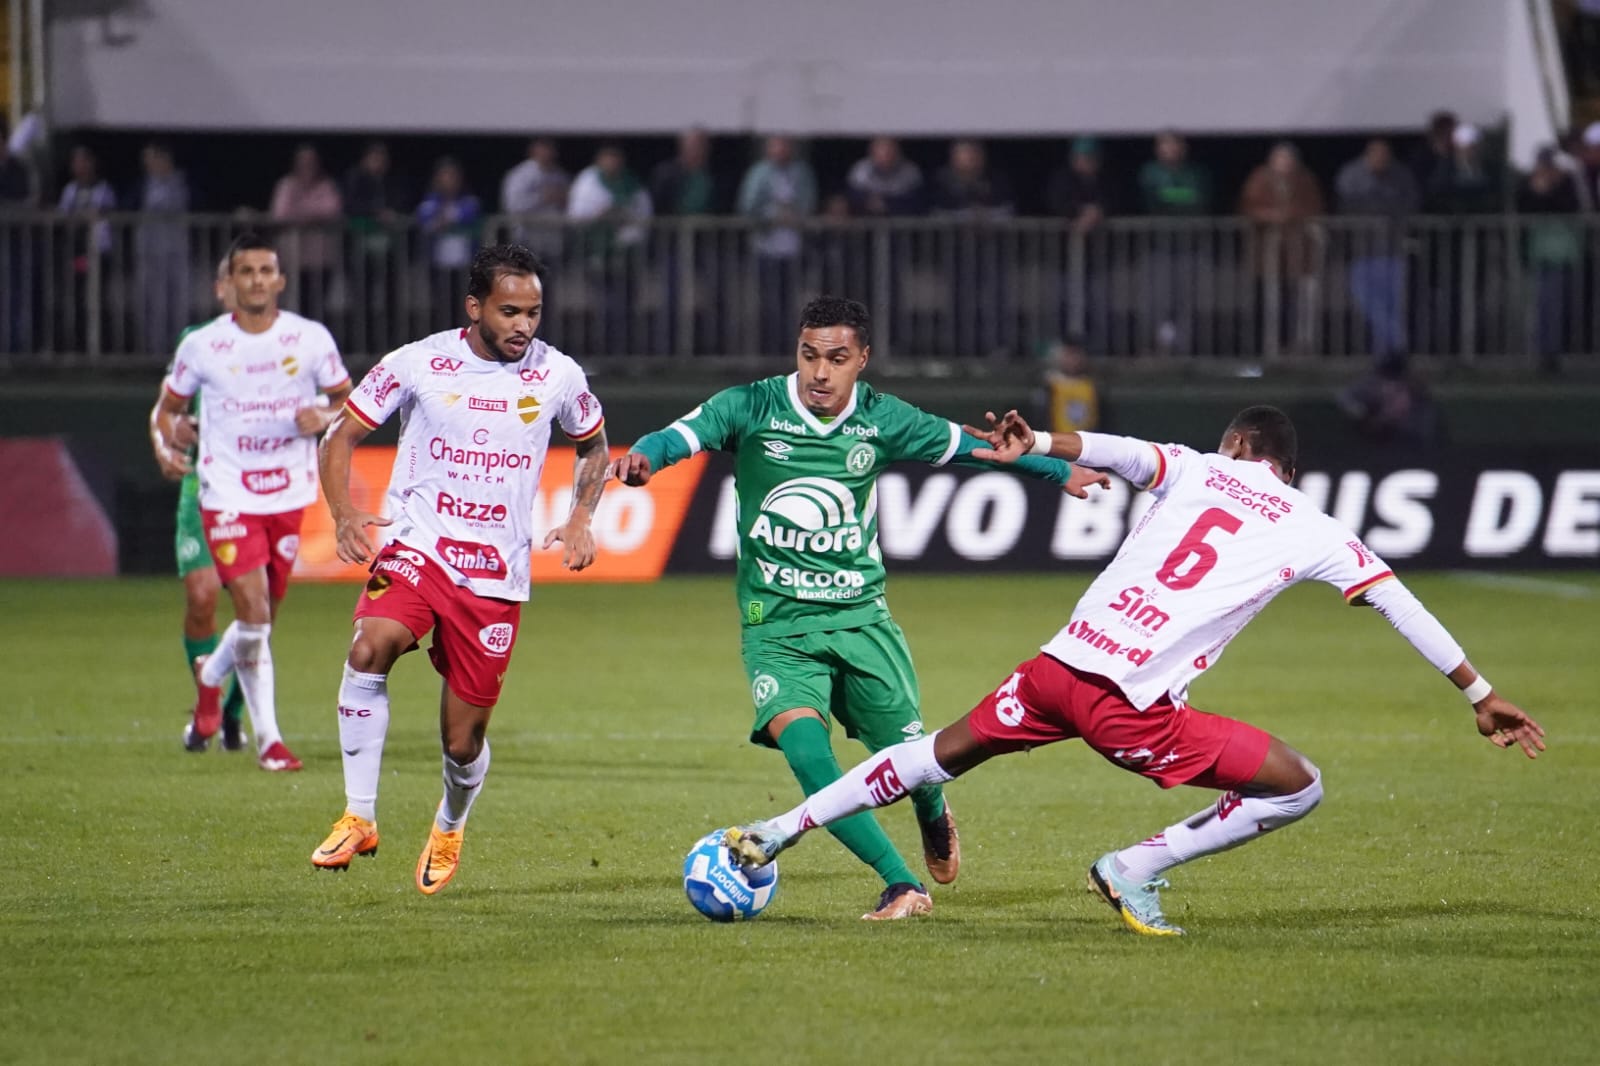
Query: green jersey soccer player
pixel 818 641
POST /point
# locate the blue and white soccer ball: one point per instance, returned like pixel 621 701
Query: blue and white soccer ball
pixel 720 888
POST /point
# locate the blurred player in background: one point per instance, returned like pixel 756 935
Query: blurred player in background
pixel 199 577
pixel 1225 535
pixel 477 407
pixel 818 640
pixel 269 377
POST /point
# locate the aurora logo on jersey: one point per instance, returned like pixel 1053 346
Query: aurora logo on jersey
pixel 809 514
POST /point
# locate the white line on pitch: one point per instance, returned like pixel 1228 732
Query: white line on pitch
pixel 1539 586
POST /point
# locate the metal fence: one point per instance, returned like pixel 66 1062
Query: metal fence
pixel 117 289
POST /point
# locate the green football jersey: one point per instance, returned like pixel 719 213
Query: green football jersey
pixel 807 507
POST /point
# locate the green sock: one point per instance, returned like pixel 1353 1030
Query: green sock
pixel 196 648
pixel 233 706
pixel 805 744
pixel 928 801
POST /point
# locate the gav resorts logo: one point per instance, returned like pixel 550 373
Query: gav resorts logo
pixel 809 513
pixel 763 688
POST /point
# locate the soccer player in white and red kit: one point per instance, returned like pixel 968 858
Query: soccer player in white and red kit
pixel 1225 535
pixel 272 382
pixel 477 407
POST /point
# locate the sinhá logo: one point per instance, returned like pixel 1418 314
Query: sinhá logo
pixel 763 688
pixel 809 514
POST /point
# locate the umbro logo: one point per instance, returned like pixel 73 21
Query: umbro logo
pixel 778 449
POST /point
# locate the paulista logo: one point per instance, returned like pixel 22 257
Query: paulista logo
pixel 809 514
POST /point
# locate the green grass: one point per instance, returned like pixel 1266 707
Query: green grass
pixel 159 907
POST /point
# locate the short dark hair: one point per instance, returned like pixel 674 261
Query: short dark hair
pixel 827 311
pixel 250 241
pixel 497 259
pixel 1268 434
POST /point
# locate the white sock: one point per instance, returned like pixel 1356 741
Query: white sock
pixel 462 783
pixel 1231 821
pixel 214 671
pixel 888 776
pixel 253 666
pixel 363 724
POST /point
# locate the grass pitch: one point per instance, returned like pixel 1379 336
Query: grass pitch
pixel 1440 906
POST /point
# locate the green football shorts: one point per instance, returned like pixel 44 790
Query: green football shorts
pixel 862 677
pixel 190 539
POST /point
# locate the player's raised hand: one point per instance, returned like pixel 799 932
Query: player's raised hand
pixel 630 469
pixel 577 541
pixel 1507 725
pixel 350 534
pixel 1009 437
pixel 1081 479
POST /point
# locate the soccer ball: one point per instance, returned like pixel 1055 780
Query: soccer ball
pixel 720 888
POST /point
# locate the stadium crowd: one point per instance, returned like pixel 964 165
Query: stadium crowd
pixel 593 220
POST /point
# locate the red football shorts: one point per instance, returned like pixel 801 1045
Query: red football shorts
pixel 241 543
pixel 473 635
pixel 1045 700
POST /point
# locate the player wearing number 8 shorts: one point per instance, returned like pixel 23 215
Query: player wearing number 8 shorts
pixel 1225 535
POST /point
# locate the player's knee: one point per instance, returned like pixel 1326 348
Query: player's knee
pixel 370 656
pixel 1294 806
pixel 462 750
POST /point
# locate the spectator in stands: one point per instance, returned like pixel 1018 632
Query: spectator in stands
pixel 1068 398
pixel 1589 166
pixel 684 186
pixel 1473 185
pixel 1433 160
pixel 1392 406
pixel 777 192
pixel 1373 187
pixel 1554 251
pixel 537 189
pixel 615 206
pixel 161 250
pixel 85 199
pixel 1174 190
pixel 884 182
pixel 1282 199
pixel 308 203
pixel 967 190
pixel 375 201
pixel 16 248
pixel 450 216
pixel 1078 193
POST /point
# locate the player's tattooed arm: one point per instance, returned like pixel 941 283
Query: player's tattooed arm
pixel 588 480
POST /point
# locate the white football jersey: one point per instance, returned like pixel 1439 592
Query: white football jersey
pixel 1222 539
pixel 252 459
pixel 473 440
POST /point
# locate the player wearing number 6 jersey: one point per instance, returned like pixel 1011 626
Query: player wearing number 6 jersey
pixel 818 641
pixel 1225 535
pixel 477 407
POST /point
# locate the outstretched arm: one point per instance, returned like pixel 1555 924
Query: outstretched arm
pixel 1502 721
pixel 1012 440
pixel 588 480
pixel 973 451
pixel 651 453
